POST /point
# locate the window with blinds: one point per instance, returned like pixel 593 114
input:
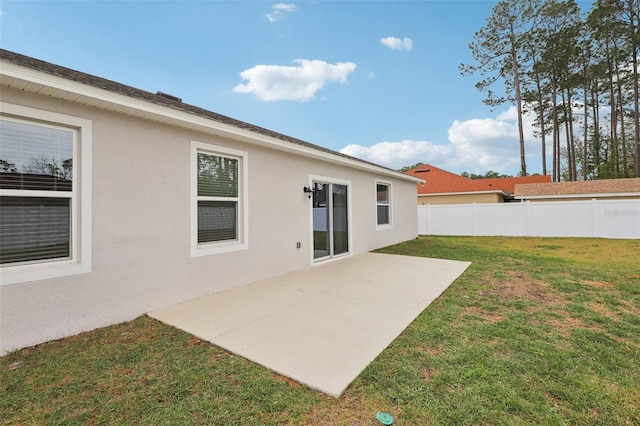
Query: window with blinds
pixel 36 191
pixel 219 192
pixel 218 198
pixel 383 204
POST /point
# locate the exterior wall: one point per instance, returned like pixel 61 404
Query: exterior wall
pixel 459 199
pixel 141 227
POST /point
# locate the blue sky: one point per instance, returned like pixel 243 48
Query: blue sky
pixel 375 79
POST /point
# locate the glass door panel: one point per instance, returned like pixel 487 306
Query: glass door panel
pixel 340 219
pixel 321 220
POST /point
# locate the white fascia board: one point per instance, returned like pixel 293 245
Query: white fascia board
pixel 464 193
pixel 601 195
pixel 171 115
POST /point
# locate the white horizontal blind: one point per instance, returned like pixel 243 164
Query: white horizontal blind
pixel 218 198
pixel 34 228
pixel 382 200
pixel 36 191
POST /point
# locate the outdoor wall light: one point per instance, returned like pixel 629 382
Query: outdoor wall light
pixel 308 190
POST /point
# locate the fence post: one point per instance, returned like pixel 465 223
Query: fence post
pixel 528 216
pixel 428 219
pixel 474 213
pixel 595 226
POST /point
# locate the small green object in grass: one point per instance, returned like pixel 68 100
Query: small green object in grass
pixel 384 418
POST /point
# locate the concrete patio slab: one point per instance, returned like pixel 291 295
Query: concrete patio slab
pixel 323 325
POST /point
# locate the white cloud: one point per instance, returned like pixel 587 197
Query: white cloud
pixel 481 129
pixel 395 43
pixel 476 145
pixel 398 154
pixel 280 10
pixel 493 143
pixel 510 114
pixel 293 83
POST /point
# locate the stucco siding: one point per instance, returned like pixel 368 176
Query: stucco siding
pixel 141 226
pixel 459 199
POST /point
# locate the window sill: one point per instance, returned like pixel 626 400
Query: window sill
pixel 210 249
pixel 41 271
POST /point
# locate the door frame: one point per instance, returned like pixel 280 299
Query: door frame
pixel 332 180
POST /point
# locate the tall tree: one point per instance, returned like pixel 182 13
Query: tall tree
pixel 571 77
pixel 536 97
pixel 627 12
pixel 615 29
pixel 497 50
pixel 535 94
pixel 556 45
pixel 557 64
pixel 585 58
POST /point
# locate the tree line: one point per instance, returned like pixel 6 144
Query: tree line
pixel 576 71
pixel 41 166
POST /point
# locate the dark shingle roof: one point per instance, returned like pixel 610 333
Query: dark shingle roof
pixel 508 184
pixel 158 99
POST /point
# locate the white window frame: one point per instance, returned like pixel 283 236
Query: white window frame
pixel 80 261
pixel 216 247
pixel 389 205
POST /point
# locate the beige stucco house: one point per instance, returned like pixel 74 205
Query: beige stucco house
pixel 116 201
pixel 443 187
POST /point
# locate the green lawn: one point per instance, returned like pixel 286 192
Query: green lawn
pixel 536 331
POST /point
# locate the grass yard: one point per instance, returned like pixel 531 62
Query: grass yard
pixel 536 331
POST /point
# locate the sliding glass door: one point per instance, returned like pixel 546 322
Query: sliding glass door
pixel 340 216
pixel 330 219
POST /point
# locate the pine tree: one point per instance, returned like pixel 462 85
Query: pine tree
pixel 498 53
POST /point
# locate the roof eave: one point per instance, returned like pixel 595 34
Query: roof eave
pixel 36 81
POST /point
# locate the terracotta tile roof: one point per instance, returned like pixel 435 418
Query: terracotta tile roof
pixel 158 99
pixel 605 186
pixel 439 181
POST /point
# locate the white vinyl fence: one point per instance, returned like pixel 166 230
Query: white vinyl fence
pixel 590 218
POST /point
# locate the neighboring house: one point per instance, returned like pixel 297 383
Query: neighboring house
pixel 605 189
pixel 443 187
pixel 508 184
pixel 116 201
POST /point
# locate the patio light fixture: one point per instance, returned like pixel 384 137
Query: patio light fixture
pixel 308 190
